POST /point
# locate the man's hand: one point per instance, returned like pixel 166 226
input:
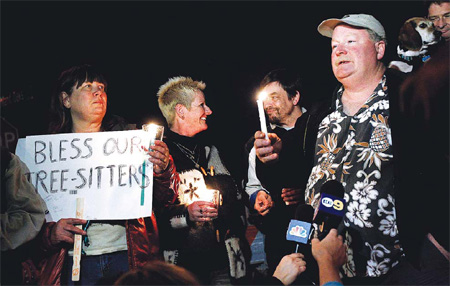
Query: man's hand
pixel 267 150
pixel 289 268
pixel 292 196
pixel 330 254
pixel 64 230
pixel 263 203
pixel 331 247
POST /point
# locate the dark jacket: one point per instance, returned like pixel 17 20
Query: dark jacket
pixel 290 171
pixel 201 247
pixel 420 134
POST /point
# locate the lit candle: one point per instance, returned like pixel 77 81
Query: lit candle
pixel 208 195
pixel 262 118
pixel 156 132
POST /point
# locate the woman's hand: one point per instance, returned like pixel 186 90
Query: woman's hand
pixel 159 156
pixel 64 230
pixel 202 211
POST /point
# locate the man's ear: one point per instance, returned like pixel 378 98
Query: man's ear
pixel 65 99
pixel 180 110
pixel 380 47
pixel 296 98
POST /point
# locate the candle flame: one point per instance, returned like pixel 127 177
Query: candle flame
pixel 151 128
pixel 155 131
pixel 262 95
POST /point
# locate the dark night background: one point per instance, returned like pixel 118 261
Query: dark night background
pixel 139 45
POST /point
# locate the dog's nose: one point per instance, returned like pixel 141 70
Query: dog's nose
pixel 437 33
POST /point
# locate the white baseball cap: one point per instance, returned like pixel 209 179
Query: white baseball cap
pixel 326 28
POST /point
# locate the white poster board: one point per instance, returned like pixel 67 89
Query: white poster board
pixel 105 168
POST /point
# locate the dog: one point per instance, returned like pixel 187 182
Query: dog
pixel 415 37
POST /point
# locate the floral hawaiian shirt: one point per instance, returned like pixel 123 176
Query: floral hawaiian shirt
pixel 357 151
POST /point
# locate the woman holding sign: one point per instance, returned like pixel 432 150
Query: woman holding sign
pixel 196 233
pixel 110 247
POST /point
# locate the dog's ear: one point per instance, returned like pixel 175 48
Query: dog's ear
pixel 409 38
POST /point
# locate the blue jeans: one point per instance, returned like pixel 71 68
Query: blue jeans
pixel 98 269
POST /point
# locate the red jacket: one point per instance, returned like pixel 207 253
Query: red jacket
pixel 142 237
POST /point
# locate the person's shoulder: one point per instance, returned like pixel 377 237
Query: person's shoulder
pixel 117 123
pixel 12 161
pixel 320 109
pixel 320 106
pixel 390 72
pixel 395 76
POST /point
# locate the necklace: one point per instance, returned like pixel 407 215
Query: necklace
pixel 190 154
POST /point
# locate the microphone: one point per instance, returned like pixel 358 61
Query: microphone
pixel 299 231
pixel 300 227
pixel 329 215
pixel 331 209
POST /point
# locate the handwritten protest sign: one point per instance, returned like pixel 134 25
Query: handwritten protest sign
pixel 106 168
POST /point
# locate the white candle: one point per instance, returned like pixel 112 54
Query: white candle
pixel 262 118
pixel 156 132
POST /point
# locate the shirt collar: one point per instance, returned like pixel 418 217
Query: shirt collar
pixel 379 91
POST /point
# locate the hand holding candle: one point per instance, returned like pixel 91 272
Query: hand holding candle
pixel 262 117
pixel 158 151
pixel 267 151
pixel 202 211
pixel 206 207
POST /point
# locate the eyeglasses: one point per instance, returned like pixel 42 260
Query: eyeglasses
pixel 435 18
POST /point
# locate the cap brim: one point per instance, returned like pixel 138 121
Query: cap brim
pixel 326 28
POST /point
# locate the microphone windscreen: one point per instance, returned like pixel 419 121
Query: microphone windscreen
pixel 333 187
pixel 331 208
pixel 304 213
pixel 299 227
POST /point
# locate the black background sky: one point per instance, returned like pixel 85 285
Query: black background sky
pixel 139 45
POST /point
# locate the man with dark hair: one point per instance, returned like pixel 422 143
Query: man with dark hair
pixel 439 14
pixel 277 188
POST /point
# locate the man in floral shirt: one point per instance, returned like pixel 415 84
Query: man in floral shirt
pixel 354 146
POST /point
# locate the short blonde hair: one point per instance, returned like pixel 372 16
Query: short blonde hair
pixel 177 90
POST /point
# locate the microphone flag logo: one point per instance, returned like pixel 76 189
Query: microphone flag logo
pixel 298 231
